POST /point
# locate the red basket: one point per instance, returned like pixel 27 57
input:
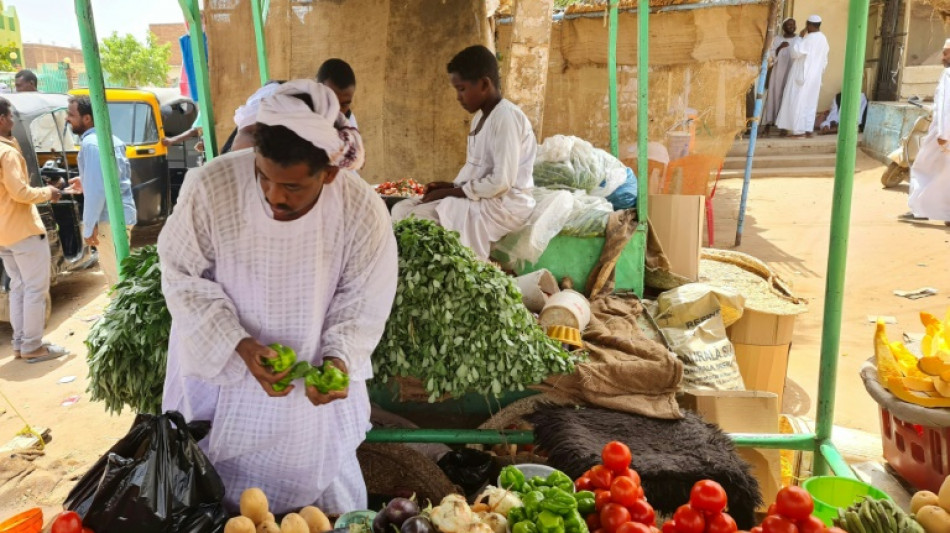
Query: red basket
pixel 920 454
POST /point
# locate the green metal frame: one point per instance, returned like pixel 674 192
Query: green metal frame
pixel 827 457
pixel 192 15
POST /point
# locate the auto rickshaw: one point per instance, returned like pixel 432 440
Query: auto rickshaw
pixel 141 118
pixel 39 126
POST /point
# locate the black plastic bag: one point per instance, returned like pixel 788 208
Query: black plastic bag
pixel 467 468
pixel 154 480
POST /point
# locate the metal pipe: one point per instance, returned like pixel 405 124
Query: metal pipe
pixel 100 113
pixel 257 11
pixel 756 117
pixel 804 441
pixel 840 224
pixel 833 458
pixel 612 78
pixel 189 9
pixel 451 436
pixel 643 112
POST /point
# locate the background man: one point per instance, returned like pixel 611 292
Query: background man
pixel 800 101
pixel 24 249
pixel 25 82
pixel 95 217
pixel 339 77
pixel 781 64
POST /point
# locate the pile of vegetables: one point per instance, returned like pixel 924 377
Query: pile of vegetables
pixel 705 512
pixel 453 515
pixel 620 505
pixel 549 505
pixel 878 516
pixel 403 515
pixel 792 512
pixel 403 187
pixel 128 346
pixel 924 382
pixel 458 324
pixel 325 378
pixel 256 517
pixel 932 511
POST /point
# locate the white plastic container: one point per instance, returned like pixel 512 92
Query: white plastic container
pixel 566 308
pixel 536 288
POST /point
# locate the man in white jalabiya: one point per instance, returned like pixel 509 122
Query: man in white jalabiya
pixel 491 196
pixel 285 244
pixel 781 63
pixel 930 173
pixel 800 101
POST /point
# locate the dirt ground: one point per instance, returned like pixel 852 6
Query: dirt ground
pixel 787 226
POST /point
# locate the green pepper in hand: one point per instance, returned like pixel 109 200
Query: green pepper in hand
pixel 585 502
pixel 512 479
pixel 286 357
pixel 558 502
pixel 524 526
pixel 327 378
pixel 298 371
pixel 560 480
pixel 549 522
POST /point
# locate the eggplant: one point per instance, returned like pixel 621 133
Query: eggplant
pixel 399 510
pixel 418 524
pixel 381 524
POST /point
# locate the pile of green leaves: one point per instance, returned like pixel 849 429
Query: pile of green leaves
pixel 458 324
pixel 128 346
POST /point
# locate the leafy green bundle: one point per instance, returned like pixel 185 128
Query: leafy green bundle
pixel 128 346
pixel 458 324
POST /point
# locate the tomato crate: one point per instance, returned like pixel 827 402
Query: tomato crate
pixel 920 454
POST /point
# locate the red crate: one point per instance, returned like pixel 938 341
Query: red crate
pixel 920 454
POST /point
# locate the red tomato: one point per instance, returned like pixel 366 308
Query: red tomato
pixel 624 491
pixel 583 483
pixel 721 523
pixel 773 509
pixel 601 530
pixel 642 512
pixel 689 520
pixel 87 530
pixel 708 496
pixel 601 477
pixel 812 524
pixel 633 527
pixel 616 456
pixel 794 503
pixel 777 524
pixel 593 521
pixel 630 473
pixel 669 526
pixel 601 498
pixel 67 522
pixel 613 516
pixel 640 493
pixel 756 529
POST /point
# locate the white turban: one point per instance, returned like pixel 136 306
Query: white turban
pixel 814 19
pixel 246 115
pixel 946 44
pixel 323 126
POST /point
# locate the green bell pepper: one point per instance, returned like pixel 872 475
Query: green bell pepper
pixel 286 357
pixel 512 479
pixel 560 480
pixel 532 503
pixel 524 526
pixel 517 514
pixel 538 482
pixel 558 502
pixel 298 371
pixel 327 378
pixel 585 502
pixel 574 523
pixel 549 522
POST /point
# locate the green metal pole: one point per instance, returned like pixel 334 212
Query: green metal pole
pixel 193 16
pixel 833 458
pixel 612 79
pixel 100 112
pixel 840 226
pixel 805 442
pixel 643 107
pixel 258 12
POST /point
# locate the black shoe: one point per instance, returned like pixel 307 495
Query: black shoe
pixel 910 216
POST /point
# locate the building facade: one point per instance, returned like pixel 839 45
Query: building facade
pixel 10 31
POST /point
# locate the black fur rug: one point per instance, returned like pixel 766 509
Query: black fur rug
pixel 670 455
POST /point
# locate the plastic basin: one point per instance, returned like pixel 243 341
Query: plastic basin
pixel 355 517
pixel 26 522
pixel 832 493
pixel 531 470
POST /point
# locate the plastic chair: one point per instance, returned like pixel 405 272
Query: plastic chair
pixel 692 175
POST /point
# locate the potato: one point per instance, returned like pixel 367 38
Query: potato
pixel 922 498
pixel 268 527
pixel 254 505
pixel 316 519
pixel 944 495
pixel 294 523
pixel 934 519
pixel 240 524
pixel 270 518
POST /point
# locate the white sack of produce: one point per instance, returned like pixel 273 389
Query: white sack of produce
pixel 694 318
pixel 566 162
pixel 589 216
pixel 527 244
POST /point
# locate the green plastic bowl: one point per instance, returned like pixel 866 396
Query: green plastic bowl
pixel 832 493
pixel 355 517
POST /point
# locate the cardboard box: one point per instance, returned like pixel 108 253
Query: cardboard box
pixel 744 412
pixel 763 368
pixel 762 329
pixel 677 221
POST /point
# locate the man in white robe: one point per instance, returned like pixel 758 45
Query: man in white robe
pixel 491 196
pixel 930 173
pixel 800 101
pixel 284 243
pixel 781 60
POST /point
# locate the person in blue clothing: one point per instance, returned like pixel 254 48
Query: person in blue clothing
pixel 95 217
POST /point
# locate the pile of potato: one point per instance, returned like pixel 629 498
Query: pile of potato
pixel 932 511
pixel 257 518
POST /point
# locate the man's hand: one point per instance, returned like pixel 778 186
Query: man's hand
pixel 54 193
pixel 439 185
pixel 803 33
pixel 252 351
pixel 75 186
pixel 442 192
pixel 942 142
pixel 781 47
pixel 318 399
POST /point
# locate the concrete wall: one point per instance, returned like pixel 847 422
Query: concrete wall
pixel 926 35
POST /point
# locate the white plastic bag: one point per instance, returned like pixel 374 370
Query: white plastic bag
pixel 565 162
pixel 589 216
pixel 526 245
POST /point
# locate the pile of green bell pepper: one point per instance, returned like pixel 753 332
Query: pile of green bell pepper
pixel 325 378
pixel 550 505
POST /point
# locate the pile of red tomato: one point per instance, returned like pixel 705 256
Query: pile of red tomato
pixel 620 503
pixel 705 512
pixel 791 513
